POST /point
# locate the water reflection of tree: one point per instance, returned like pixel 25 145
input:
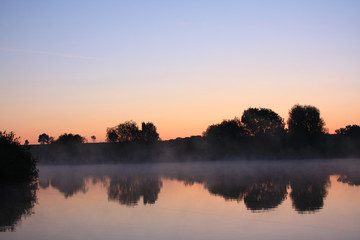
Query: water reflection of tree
pixel 265 195
pixel 350 175
pixel 230 188
pixel 264 187
pixel 16 201
pixel 257 194
pixel 352 180
pixel 128 189
pixel 261 186
pixel 308 192
pixel 67 184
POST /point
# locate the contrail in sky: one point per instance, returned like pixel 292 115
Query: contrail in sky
pixel 44 53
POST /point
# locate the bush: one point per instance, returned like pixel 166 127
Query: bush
pixel 16 162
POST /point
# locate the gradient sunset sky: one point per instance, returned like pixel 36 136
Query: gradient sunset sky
pixel 83 66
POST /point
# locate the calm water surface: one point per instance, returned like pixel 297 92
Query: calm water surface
pixel 228 200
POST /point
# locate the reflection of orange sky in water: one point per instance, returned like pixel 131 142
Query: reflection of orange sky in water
pixel 184 212
pixel 174 193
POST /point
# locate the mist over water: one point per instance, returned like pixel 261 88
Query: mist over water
pixel 157 194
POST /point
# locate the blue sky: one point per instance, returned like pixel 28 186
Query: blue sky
pixel 181 64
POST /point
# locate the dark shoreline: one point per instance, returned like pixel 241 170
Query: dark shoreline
pixel 196 148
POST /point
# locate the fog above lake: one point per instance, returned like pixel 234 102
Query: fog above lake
pixel 158 200
pixel 262 185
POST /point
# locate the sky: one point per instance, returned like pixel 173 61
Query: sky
pixel 83 66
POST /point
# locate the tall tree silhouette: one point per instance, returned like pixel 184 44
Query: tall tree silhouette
pixel 149 132
pixel 44 138
pixel 111 135
pixel 128 131
pixel 305 122
pixel 263 121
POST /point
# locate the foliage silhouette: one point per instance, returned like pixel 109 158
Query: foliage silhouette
pixel 16 162
pixel 70 139
pixel 263 121
pixel 305 122
pixel 44 138
pixel 352 131
pixel 260 134
pixel 111 135
pixel 129 132
pixel 227 130
pixel 148 132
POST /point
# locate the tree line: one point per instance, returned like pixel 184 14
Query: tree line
pixel 304 124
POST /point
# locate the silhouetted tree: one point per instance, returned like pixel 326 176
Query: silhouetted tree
pixel 44 138
pixel 128 131
pixel 227 130
pixel 26 142
pixel 70 138
pixel 93 138
pixel 148 132
pixel 16 162
pixel 305 122
pixel 349 131
pixel 263 121
pixel 51 140
pixel 111 135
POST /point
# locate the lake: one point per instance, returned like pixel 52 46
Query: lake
pixel 205 200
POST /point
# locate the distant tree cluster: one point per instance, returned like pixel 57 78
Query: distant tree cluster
pixel 129 132
pixel 260 133
pixel 63 139
pixel 303 122
pixel 226 130
pixel 352 131
pixel 70 138
pixel 262 121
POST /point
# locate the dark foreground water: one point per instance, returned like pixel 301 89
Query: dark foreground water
pixel 227 200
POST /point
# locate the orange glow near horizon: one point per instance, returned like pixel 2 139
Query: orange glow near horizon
pixel 182 66
pixel 168 128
